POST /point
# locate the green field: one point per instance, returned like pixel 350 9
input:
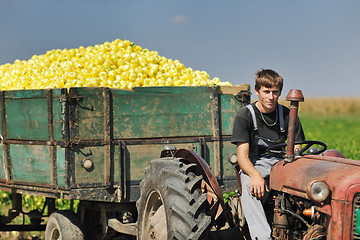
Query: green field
pixel 335 121
pixel 338 132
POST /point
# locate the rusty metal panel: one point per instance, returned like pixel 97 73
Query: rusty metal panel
pixel 31 122
pixel 227 149
pixel 60 166
pixel 2 114
pixel 229 106
pixel 162 112
pixel 117 168
pixel 30 163
pixel 294 178
pixel 88 107
pixel 210 154
pixel 57 95
pixel 140 156
pixel 96 173
pixel 26 115
pixel 5 152
pixel 2 163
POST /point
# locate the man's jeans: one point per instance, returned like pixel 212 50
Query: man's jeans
pixel 252 207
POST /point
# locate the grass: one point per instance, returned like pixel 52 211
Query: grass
pixel 338 132
pixel 335 121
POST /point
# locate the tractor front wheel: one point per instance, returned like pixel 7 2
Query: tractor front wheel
pixel 172 205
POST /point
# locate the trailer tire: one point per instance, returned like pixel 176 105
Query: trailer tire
pixel 63 225
pixel 171 204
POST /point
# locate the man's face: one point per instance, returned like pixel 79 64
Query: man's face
pixel 268 98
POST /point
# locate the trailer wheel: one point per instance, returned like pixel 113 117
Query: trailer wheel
pixel 172 205
pixel 63 225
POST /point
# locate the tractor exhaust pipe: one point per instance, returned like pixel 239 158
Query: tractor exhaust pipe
pixel 294 96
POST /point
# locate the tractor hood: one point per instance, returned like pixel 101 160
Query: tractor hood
pixel 340 174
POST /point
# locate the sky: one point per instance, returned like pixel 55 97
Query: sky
pixel 313 44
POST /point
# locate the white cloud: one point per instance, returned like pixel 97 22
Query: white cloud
pixel 180 19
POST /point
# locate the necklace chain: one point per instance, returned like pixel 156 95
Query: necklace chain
pixel 270 125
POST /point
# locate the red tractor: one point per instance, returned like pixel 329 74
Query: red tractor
pixel 315 193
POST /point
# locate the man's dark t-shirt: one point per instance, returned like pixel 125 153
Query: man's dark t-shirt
pixel 243 130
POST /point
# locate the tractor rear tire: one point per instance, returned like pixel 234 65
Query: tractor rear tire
pixel 172 205
pixel 63 225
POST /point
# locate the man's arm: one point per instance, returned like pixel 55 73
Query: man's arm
pixel 257 182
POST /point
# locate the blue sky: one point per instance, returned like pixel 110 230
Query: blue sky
pixel 313 44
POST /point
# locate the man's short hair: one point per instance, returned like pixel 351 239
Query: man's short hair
pixel 268 78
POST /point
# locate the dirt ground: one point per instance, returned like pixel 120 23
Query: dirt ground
pixel 14 235
pixel 231 233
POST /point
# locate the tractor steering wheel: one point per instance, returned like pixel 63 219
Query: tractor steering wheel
pixel 278 150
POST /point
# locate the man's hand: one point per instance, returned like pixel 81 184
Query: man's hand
pixel 258 185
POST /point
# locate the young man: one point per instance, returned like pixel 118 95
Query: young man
pixel 256 127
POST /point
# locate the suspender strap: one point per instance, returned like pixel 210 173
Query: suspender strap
pixel 251 109
pixel 281 118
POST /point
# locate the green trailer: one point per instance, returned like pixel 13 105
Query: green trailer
pixel 127 156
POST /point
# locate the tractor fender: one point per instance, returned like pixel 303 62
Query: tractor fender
pixel 333 153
